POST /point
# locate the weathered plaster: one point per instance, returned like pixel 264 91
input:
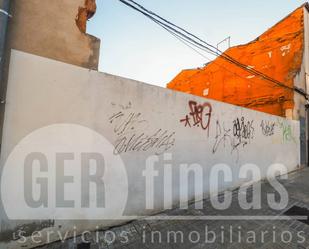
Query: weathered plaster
pixel 50 29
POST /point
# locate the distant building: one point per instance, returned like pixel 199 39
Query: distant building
pixel 281 53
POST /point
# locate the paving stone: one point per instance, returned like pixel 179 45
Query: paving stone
pixel 139 231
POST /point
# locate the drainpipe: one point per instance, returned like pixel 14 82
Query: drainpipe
pixel 4 16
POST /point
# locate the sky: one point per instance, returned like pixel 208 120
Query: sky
pixel 134 47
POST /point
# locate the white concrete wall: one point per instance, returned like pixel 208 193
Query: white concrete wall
pixel 42 92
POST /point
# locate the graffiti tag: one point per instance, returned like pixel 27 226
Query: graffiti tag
pixel 287 133
pixel 199 115
pixel 223 136
pixel 161 141
pixel 243 131
pixel 226 139
pixel 133 134
pixel 268 128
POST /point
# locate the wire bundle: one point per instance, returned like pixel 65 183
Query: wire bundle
pixel 195 43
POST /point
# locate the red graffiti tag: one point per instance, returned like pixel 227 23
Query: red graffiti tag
pixel 199 115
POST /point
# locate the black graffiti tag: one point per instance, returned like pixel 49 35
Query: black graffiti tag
pixel 222 137
pixel 225 139
pixel 134 134
pixel 160 141
pixel 243 131
pixel 268 128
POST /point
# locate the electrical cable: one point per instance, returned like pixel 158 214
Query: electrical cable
pixel 191 38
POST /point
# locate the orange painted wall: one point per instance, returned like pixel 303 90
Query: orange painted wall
pixel 277 53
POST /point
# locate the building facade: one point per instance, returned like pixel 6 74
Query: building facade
pixel 281 53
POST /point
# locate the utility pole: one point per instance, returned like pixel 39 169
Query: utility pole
pixel 4 16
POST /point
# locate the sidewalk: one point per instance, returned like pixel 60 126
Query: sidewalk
pixel 199 233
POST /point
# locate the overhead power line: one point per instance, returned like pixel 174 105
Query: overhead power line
pixel 187 43
pixel 187 37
